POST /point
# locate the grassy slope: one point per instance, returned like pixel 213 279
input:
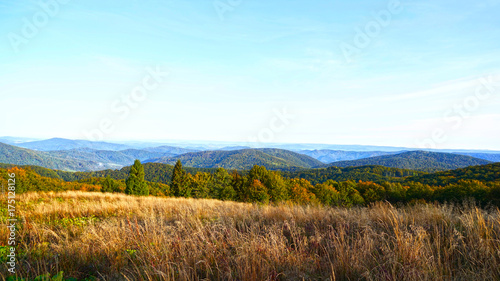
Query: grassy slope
pixel 118 237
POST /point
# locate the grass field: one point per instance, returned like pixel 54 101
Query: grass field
pixel 117 237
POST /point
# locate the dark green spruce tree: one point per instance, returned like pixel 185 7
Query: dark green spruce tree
pixel 179 183
pixel 136 185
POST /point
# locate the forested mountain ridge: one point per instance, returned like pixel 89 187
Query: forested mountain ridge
pixel 364 173
pixel 88 159
pixel 158 172
pixel 245 159
pixel 119 158
pixel 485 173
pixel 297 159
pixel 417 160
pixel 154 172
pixel 332 186
pixel 20 156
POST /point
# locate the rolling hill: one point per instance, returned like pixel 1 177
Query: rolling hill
pixel 484 173
pixel 21 156
pixel 116 158
pixel 162 173
pixel 273 159
pixel 157 172
pixel 417 160
pixel 376 174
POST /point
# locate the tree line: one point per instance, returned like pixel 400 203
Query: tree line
pixel 264 186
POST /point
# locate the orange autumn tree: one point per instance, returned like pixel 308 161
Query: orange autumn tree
pixel 257 192
pixel 301 191
pixel 370 191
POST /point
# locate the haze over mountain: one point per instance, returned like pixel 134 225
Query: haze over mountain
pixel 15 140
pixel 82 156
pixel 20 156
pixel 192 146
pixel 275 159
pixel 329 156
pixel 117 158
pixel 122 158
pixel 417 160
pixel 493 157
pixel 170 149
pixel 66 144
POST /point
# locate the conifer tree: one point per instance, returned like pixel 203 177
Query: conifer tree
pixel 179 182
pixel 136 185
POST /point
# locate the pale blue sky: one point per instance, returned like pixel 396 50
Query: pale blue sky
pixel 229 73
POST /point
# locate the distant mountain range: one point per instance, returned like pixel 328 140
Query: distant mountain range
pixel 329 156
pixel 271 158
pixel 80 159
pixel 83 155
pixel 417 160
pixel 15 140
pixel 169 149
pixel 120 158
pixel 65 144
pixel 20 156
pixel 493 157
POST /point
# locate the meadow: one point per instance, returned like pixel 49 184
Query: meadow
pixel 109 236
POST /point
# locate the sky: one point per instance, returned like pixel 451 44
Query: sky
pixel 395 73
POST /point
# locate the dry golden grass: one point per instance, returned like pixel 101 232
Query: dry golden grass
pixel 119 237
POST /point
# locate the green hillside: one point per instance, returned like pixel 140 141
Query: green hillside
pixel 364 173
pixel 155 172
pixel 484 173
pixel 161 173
pixel 417 160
pixel 245 159
pixel 116 158
pixel 20 156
